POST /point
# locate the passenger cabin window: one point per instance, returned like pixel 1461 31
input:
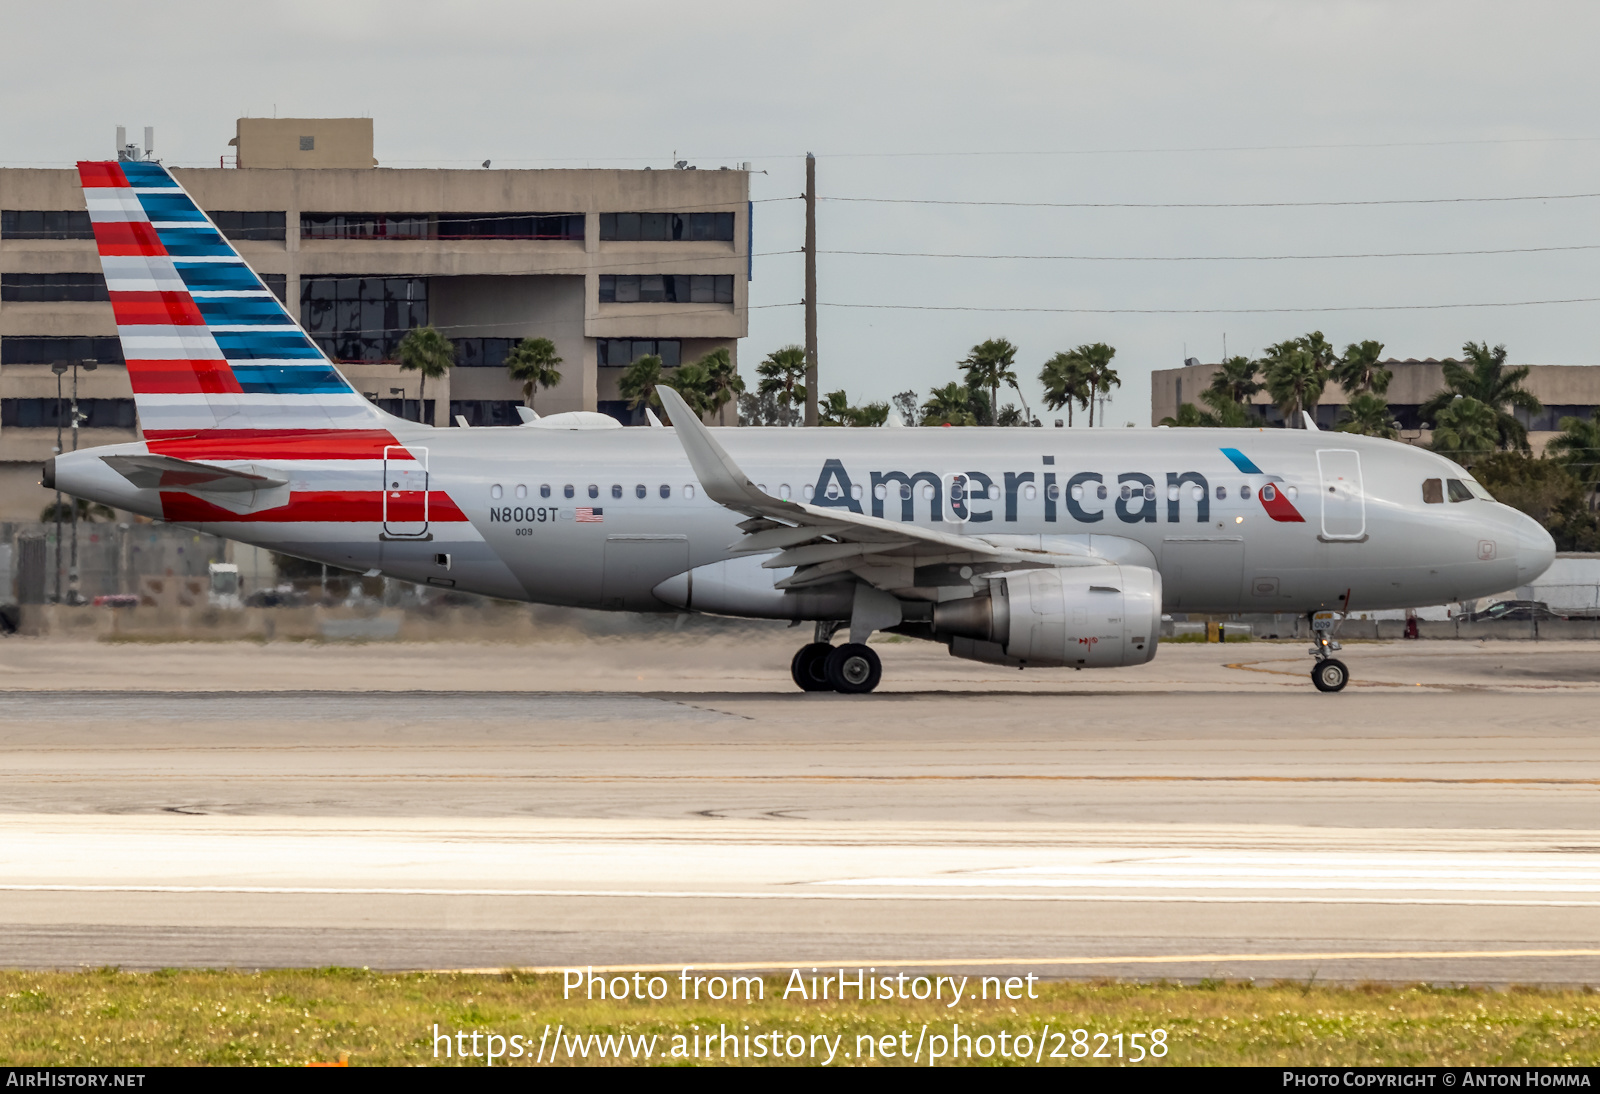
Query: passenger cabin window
pixel 639 491
pixel 594 491
pixel 1458 490
pixel 666 491
pixel 544 490
pixel 616 490
pixel 1433 491
pixel 567 490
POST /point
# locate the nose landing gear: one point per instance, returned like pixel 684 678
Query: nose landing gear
pixel 1328 674
pixel 853 668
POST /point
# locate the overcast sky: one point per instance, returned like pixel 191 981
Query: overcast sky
pixel 1000 102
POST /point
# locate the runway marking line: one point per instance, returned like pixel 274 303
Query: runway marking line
pixel 1138 959
pixel 794 894
pixel 1380 779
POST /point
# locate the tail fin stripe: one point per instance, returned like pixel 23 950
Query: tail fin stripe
pixel 98 175
pixel 170 308
pixel 150 377
pixel 127 237
pixel 255 343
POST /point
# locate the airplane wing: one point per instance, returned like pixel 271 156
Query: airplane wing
pixel 823 543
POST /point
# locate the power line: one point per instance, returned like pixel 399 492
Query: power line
pixel 1215 311
pixel 1214 258
pixel 1207 204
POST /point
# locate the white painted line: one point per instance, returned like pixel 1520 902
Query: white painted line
pixel 645 894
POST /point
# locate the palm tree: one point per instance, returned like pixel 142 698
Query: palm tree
pixel 1321 350
pixel 989 366
pixel 1294 377
pixel 783 375
pixel 1236 379
pixel 834 409
pixel 1368 414
pixel 638 381
pixel 1188 417
pixel 1102 377
pixel 723 381
pixel 1484 377
pixel 1359 372
pixel 534 362
pixel 1578 449
pixel 948 405
pixel 1466 429
pixel 693 382
pixel 424 350
pixel 1066 381
pixel 1224 414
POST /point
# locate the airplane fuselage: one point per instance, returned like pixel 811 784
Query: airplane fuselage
pixel 1234 520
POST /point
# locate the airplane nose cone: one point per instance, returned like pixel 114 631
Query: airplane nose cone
pixel 1535 549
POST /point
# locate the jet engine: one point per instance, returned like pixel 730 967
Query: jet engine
pixel 1084 617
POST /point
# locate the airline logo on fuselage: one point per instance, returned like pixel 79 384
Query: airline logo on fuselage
pixel 978 498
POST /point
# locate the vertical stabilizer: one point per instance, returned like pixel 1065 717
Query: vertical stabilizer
pixel 208 346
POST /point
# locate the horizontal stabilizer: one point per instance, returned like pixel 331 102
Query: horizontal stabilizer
pixel 171 473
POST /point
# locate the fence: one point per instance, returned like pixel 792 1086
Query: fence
pixel 112 558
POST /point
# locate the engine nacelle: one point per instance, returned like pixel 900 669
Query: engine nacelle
pixel 1084 617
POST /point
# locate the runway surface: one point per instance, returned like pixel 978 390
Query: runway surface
pixel 1208 815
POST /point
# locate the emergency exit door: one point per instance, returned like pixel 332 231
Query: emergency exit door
pixel 405 492
pixel 1344 505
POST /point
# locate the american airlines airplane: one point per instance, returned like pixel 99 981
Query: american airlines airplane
pixel 1018 547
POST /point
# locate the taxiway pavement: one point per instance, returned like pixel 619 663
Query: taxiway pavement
pixel 439 806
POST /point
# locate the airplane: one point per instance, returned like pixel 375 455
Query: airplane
pixel 1018 547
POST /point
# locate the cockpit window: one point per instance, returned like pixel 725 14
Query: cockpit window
pixel 1458 490
pixel 1433 491
pixel 1479 491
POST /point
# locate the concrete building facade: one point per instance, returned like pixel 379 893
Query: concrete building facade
pixel 607 264
pixel 1565 390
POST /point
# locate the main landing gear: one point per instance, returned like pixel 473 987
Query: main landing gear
pixel 852 668
pixel 1328 674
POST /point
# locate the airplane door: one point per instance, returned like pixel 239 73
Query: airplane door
pixel 1344 505
pixel 405 492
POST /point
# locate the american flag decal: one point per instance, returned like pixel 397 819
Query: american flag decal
pixel 591 516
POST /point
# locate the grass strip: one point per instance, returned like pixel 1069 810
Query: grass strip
pixel 113 1018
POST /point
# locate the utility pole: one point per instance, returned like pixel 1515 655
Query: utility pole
pixel 59 368
pixel 811 289
pixel 74 596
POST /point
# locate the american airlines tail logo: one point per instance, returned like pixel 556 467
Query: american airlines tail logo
pixel 1273 498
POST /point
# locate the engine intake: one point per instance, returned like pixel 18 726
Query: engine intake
pixel 1089 617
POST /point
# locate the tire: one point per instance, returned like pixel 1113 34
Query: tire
pixel 809 667
pixel 1330 675
pixel 854 669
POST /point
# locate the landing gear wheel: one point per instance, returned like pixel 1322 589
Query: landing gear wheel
pixel 854 669
pixel 1330 675
pixel 809 667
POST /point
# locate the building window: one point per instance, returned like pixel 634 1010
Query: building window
pixel 409 409
pixel 485 412
pixel 650 227
pixel 43 413
pixel 362 318
pixel 483 352
pixel 441 226
pixel 308 144
pixel 278 284
pixel 45 224
pixel 621 352
pixel 26 288
pixel 28 350
pixel 666 288
pixel 250 225
pixel 509 226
